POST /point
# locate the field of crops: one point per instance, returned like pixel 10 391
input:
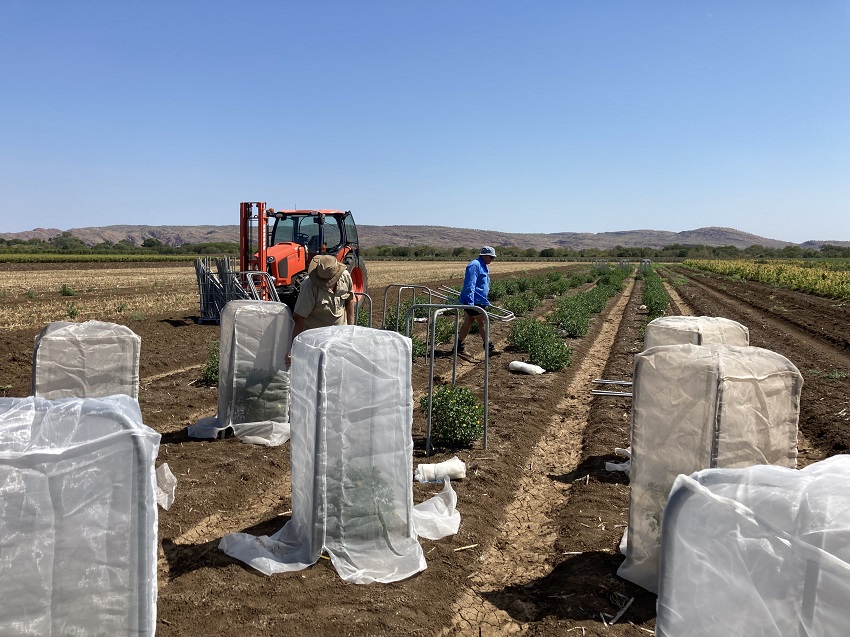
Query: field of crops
pixel 830 279
pixel 542 517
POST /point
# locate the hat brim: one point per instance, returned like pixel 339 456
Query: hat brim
pixel 328 283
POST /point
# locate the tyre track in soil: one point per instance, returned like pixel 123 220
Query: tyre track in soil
pixel 786 329
pixel 527 527
pixel 808 350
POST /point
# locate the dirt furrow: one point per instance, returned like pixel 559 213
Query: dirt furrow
pixel 523 548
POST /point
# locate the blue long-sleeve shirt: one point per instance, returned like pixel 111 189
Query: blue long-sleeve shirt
pixel 476 284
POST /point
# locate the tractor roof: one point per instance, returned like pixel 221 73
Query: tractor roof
pixel 274 211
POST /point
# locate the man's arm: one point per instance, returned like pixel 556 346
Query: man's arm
pixel 470 279
pixel 296 330
pixel 349 310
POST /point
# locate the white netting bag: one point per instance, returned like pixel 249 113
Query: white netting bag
pixel 253 380
pixel 696 330
pixel 758 551
pixel 78 518
pixel 90 359
pixel 697 407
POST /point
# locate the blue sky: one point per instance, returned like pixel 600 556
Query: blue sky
pixel 579 116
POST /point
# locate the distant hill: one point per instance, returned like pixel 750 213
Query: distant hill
pixel 437 236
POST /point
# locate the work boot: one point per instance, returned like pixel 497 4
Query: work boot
pixel 491 347
pixel 461 347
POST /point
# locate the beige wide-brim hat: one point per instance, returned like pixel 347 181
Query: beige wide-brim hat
pixel 325 270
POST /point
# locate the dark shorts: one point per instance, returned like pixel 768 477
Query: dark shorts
pixel 473 312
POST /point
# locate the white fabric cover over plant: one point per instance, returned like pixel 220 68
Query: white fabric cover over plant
pixel 78 518
pixel 81 360
pixel 253 381
pixel 352 461
pixel 699 407
pixel 760 551
pixel 696 330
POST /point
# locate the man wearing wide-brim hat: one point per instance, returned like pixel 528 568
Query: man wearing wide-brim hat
pixel 326 296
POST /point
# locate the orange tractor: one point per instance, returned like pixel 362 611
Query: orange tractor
pixel 282 243
pixel 275 248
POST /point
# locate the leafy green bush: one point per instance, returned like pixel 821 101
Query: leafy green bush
pixel 66 290
pixel 209 373
pixel 542 344
pixel 396 315
pixel 444 330
pixel 457 418
pixel 654 295
pixel 419 347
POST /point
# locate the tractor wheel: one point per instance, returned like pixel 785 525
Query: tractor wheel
pixel 357 269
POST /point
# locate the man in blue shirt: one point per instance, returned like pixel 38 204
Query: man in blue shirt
pixel 476 287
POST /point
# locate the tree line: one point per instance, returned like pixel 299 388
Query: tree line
pixel 66 243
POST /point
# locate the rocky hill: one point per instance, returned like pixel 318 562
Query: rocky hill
pixel 438 236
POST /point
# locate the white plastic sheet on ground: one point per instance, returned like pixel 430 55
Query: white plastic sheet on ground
pixel 760 551
pixel 352 457
pixel 78 518
pixel 253 381
pixel 694 330
pixel 437 472
pixel 699 407
pixel 91 359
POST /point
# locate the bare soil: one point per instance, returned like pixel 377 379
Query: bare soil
pixel 542 518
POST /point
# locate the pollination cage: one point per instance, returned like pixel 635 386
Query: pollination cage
pixel 78 518
pixel 90 359
pixel 757 551
pixel 253 380
pixel 352 460
pixel 699 407
pixel 697 330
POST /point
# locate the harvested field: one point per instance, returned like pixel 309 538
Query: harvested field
pixel 541 517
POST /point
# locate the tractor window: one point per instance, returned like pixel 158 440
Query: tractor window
pixel 350 229
pixel 333 236
pixel 284 231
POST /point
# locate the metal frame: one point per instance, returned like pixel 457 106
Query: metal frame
pixel 439 308
pixel 359 296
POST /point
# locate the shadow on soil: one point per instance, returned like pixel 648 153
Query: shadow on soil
pixel 185 558
pixel 579 588
pixel 594 466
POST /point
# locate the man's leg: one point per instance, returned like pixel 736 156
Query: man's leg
pixel 464 331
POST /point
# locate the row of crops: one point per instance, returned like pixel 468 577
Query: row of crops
pixel 543 341
pixel 822 278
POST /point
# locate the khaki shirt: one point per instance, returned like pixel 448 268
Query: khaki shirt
pixel 322 307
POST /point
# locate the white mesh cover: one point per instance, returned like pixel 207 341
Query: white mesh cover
pixel 80 360
pixel 352 460
pixel 253 381
pixel 696 330
pixel 78 518
pixel 760 551
pixel 698 407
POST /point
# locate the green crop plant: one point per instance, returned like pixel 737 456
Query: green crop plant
pixel 419 347
pixel 209 372
pixel 66 290
pixel 457 418
pixel 71 310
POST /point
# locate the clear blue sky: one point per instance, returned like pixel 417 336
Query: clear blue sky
pixel 583 116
